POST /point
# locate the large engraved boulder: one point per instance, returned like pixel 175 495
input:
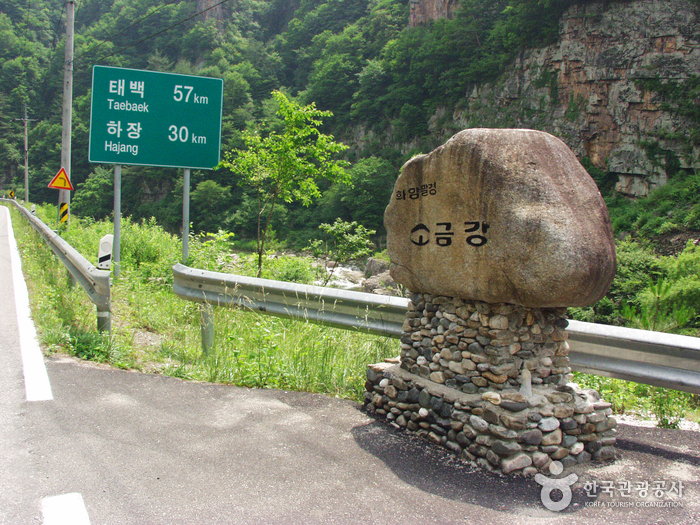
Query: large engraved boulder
pixel 501 216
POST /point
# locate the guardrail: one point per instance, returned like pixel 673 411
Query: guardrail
pixel 654 358
pixel 642 356
pixel 95 282
pixel 370 313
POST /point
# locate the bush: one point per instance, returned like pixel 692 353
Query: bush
pixel 670 406
pixel 637 265
pixel 148 250
pixel 95 196
pixel 211 251
pixel 291 269
pixel 669 208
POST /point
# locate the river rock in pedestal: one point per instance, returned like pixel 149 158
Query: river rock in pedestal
pixel 501 216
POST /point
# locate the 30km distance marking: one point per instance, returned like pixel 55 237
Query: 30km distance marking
pixel 182 134
pixel 183 94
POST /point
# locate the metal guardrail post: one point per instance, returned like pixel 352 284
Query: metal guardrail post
pixel 206 315
pixel 654 358
pixel 104 320
pixel 71 279
pixel 95 282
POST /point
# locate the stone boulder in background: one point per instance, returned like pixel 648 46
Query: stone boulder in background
pixel 501 216
pixel 375 266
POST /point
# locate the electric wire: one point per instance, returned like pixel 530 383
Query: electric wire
pixel 111 37
pixel 26 26
pixel 58 22
pixel 153 35
pixel 60 18
pixel 164 30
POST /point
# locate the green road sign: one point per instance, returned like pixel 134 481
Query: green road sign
pixel 155 119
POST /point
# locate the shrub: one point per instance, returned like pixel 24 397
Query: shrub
pixel 148 250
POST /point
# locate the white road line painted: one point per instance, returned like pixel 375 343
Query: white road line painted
pixel 68 509
pixel 36 380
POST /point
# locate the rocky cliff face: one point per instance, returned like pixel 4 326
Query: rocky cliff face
pixel 586 89
pixel 423 11
pixel 211 10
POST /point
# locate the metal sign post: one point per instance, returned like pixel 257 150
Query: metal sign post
pixel 116 245
pixel 185 215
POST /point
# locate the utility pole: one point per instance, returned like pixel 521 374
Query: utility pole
pixel 26 153
pixel 64 195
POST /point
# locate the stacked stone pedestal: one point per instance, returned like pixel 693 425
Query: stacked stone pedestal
pixel 490 382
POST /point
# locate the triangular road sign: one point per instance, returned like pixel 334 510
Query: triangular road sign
pixel 61 181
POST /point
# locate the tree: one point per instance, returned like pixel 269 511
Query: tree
pixel 287 164
pixel 209 201
pixel 95 197
pixel 344 242
pixel 372 181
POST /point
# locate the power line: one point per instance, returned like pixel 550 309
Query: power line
pixel 164 30
pixel 161 32
pixel 58 22
pixel 26 26
pixel 110 37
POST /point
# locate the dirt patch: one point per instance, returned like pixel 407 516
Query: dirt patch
pixel 674 243
pixel 146 339
pixel 144 343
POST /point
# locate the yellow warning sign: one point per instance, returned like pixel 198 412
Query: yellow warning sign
pixel 12 194
pixel 61 181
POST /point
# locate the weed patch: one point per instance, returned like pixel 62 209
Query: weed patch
pixel 251 350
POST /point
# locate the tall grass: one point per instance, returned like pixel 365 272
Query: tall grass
pixel 260 351
pixel 155 331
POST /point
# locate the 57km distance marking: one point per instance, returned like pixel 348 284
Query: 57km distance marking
pixel 182 94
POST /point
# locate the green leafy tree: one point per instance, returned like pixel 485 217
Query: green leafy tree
pixel 286 165
pixel 344 241
pixel 244 218
pixel 372 180
pixel 209 200
pixel 95 197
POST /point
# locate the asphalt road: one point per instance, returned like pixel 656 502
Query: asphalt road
pixel 134 448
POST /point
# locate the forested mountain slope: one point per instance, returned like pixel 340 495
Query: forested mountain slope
pixel 617 80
